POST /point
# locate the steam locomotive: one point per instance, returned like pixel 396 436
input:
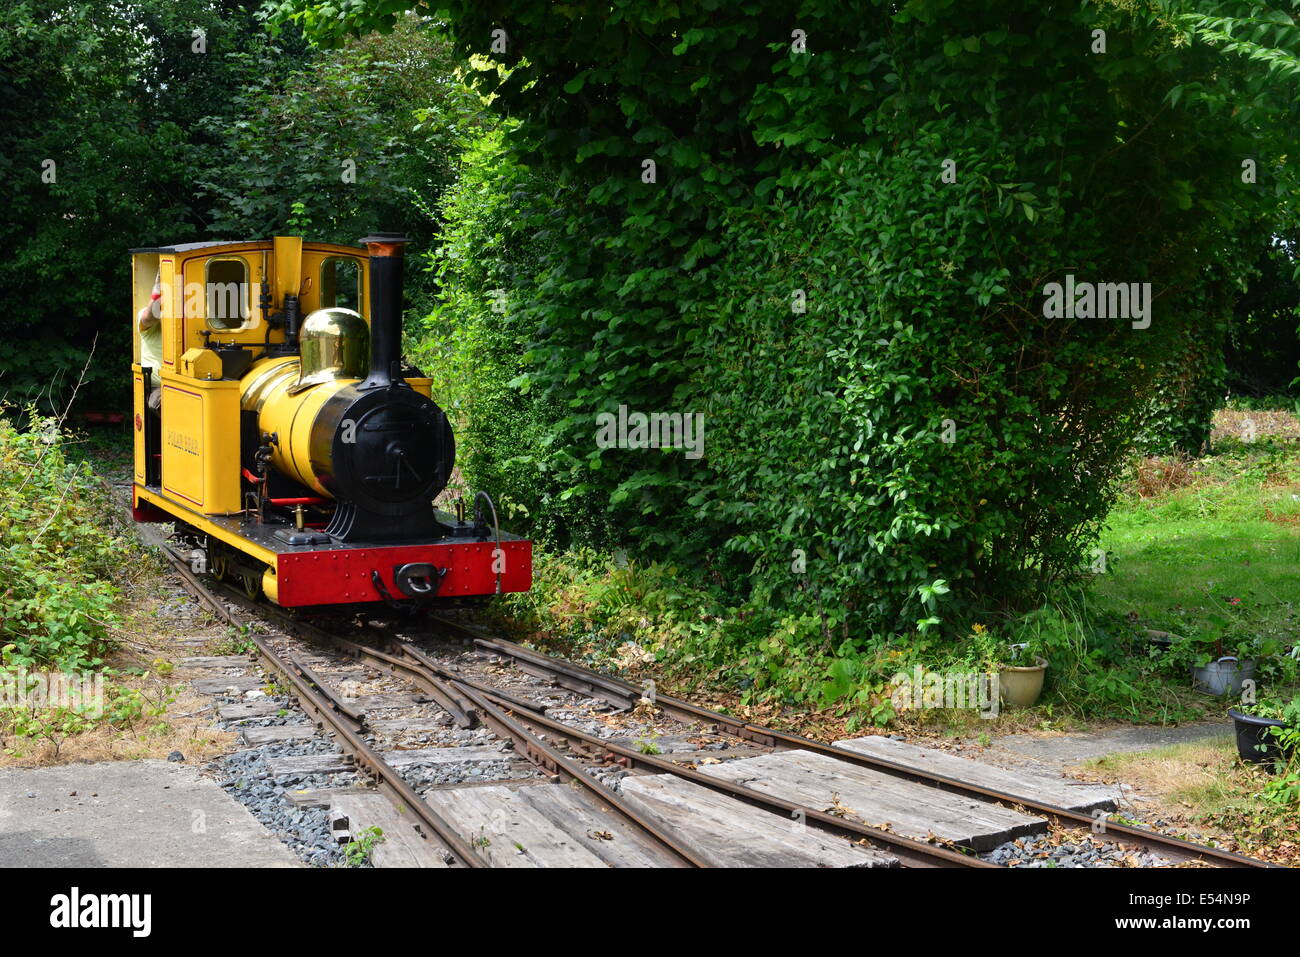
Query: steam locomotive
pixel 291 447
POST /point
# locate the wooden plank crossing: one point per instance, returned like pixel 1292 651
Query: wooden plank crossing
pixel 878 799
pixel 730 833
pixel 276 733
pixel 401 845
pixel 229 684
pixel 1034 786
pixel 546 825
pixel 259 708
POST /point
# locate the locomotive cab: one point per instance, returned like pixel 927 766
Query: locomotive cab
pixel 294 449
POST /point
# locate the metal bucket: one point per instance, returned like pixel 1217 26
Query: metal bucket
pixel 1222 677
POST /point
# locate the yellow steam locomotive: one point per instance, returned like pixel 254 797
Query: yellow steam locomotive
pixel 277 427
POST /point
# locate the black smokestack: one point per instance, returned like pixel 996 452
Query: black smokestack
pixel 386 251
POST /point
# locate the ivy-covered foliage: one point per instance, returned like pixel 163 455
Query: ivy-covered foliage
pixel 1187 387
pixel 831 230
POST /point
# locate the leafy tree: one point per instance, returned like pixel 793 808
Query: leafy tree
pixel 149 122
pixel 97 103
pixel 363 137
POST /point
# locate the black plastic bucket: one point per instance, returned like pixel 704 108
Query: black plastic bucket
pixel 1254 742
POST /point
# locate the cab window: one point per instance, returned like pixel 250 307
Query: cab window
pixel 227 293
pixel 340 283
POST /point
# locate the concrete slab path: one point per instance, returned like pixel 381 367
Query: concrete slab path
pixel 128 814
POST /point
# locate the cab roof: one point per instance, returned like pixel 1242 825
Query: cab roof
pixel 212 244
pixel 186 247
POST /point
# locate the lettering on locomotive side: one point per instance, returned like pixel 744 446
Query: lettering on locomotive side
pixel 184 442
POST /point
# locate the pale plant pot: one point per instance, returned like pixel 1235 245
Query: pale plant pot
pixel 1020 686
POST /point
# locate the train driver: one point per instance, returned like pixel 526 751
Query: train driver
pixel 150 323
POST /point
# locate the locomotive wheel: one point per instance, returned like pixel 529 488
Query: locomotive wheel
pixel 252 583
pixel 218 558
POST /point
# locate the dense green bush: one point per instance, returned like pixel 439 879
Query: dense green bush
pixel 471 341
pixel 816 176
pixel 828 427
pixel 57 557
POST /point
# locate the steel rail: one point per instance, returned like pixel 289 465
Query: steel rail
pixel 589 686
pixel 325 708
pixel 355 649
pixel 1064 817
pixel 388 663
pixel 512 699
pixel 461 710
pixel 544 755
pixel 336 703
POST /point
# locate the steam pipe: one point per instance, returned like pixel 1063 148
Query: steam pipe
pixel 386 251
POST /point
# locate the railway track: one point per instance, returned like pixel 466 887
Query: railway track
pixel 1172 848
pixel 566 753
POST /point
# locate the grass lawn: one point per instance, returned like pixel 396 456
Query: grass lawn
pixel 1203 788
pixel 1191 541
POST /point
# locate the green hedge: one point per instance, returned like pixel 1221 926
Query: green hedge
pixel 826 475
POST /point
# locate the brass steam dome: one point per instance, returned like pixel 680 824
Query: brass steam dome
pixel 333 344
